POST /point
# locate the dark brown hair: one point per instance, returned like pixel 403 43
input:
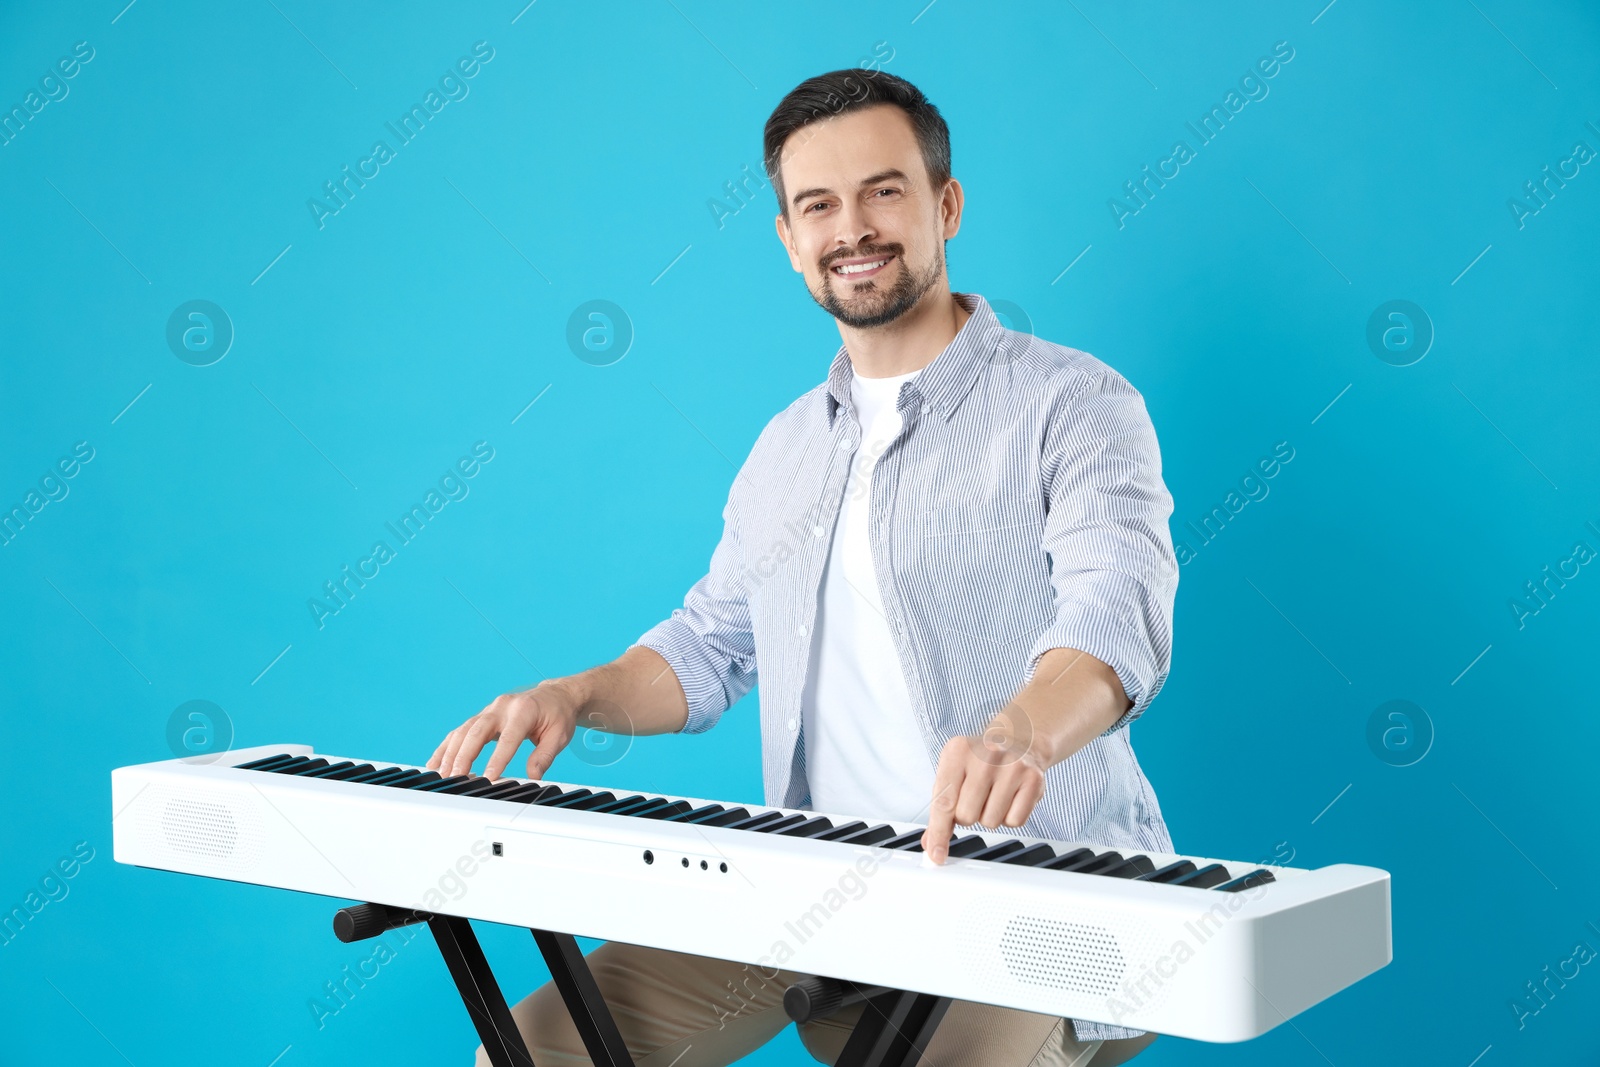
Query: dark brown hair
pixel 851 89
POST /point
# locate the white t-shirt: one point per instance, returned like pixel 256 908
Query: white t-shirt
pixel 863 749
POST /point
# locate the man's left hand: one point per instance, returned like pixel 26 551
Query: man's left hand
pixel 991 779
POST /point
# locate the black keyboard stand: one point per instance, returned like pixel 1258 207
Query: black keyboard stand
pixel 895 1026
pixel 584 1002
pixel 502 1041
pixel 893 1031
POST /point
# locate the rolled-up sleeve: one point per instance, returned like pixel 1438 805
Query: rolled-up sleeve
pixel 709 642
pixel 1106 533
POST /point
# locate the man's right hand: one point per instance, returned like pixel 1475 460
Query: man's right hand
pixel 547 715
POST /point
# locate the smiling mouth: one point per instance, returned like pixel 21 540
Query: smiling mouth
pixel 860 270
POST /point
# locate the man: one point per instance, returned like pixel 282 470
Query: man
pixel 997 518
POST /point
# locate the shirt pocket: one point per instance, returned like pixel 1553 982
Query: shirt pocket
pixel 985 569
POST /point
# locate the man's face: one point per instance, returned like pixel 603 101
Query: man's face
pixel 864 227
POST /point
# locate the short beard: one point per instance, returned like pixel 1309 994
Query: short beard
pixel 895 302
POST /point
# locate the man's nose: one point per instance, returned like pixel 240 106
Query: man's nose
pixel 855 228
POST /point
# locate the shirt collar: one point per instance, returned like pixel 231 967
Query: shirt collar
pixel 945 382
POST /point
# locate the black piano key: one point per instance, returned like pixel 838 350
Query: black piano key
pixel 289 765
pixel 780 824
pixel 704 811
pixel 589 803
pixel 441 783
pixel 676 807
pixel 1170 872
pixel 470 788
pixel 412 779
pixel 849 829
pixel 1099 865
pixel 872 836
pixel 639 808
pixel 425 778
pixel 265 763
pixel 726 818
pixel 529 793
pixel 1031 857
pixel 1207 877
pixel 478 788
pixel 345 774
pixel 1068 860
pixel 1259 876
pixel 390 777
pixel 640 811
pixel 1132 867
pixel 1089 864
pixel 999 851
pixel 377 777
pixel 964 847
pixel 330 769
pixel 451 786
pixel 561 800
pixel 503 788
pixel 910 841
pixel 305 768
pixel 620 806
pixel 812 827
pixel 755 822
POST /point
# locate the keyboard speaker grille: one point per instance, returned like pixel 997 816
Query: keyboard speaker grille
pixel 200 828
pixel 1062 955
pixel 1089 955
pixel 204 832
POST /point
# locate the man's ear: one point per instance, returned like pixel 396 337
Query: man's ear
pixel 951 204
pixel 787 240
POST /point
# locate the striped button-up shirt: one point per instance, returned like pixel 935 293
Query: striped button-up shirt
pixel 1019 509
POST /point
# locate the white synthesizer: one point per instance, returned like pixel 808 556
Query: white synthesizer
pixel 1213 950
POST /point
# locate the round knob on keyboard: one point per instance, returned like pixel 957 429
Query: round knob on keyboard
pixel 361 921
pixel 818 997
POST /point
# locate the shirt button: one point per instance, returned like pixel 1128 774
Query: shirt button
pixel 791 724
pixel 845 444
pixel 802 630
pixel 925 409
pixel 817 530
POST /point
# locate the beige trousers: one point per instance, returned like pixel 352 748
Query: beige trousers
pixel 679 1010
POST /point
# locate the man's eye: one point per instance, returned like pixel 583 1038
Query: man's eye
pixel 891 192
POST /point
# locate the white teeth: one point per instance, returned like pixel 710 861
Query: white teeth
pixel 857 268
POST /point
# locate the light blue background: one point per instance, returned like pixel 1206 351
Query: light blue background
pixel 432 309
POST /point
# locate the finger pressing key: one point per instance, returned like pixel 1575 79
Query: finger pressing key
pixel 941 813
pixel 451 742
pixel 505 746
pixel 476 737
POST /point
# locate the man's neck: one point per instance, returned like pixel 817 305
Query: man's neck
pixel 910 342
